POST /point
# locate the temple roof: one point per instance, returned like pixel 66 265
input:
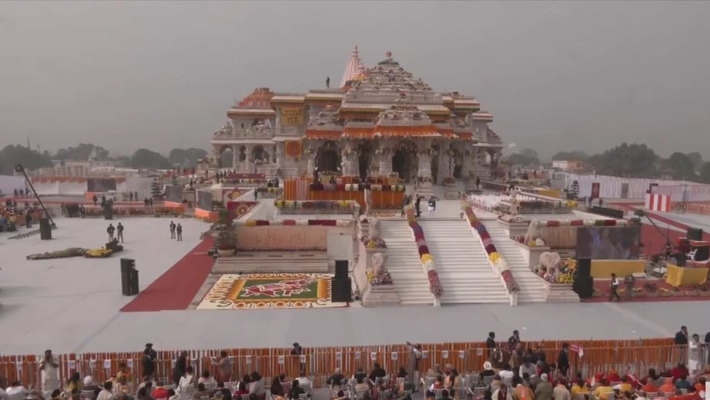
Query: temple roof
pixel 259 98
pixel 388 76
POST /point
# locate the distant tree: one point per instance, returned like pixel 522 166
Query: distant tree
pixel 186 158
pixel 680 166
pixel 82 152
pixel 524 158
pixel 570 156
pixel 30 159
pixel 696 159
pixel 148 159
pixel 123 161
pixel 705 172
pixel 627 160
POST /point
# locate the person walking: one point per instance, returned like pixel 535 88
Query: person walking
pixel 95 200
pixel 432 206
pixel 178 229
pixel 119 229
pixel 110 230
pixel 172 230
pixel 613 287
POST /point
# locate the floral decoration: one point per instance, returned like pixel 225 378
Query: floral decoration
pixel 292 222
pixel 497 262
pixel 425 256
pixel 372 243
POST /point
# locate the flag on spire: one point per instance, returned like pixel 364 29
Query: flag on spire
pixel 353 68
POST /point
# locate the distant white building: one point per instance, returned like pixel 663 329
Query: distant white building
pixel 567 165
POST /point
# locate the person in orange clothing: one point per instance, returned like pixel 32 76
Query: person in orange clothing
pixel 667 386
pixel 612 376
pixel 602 390
pixel 649 387
pixel 700 385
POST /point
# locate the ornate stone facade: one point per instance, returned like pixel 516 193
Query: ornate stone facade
pixel 382 121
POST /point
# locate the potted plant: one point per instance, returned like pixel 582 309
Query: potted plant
pixel 703 289
pixel 226 242
pixel 677 292
pixel 692 291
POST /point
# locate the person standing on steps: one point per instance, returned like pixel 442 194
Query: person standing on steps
pixel 110 230
pixel 432 206
pixel 613 287
pixel 172 230
pixel 418 206
pixel 179 232
pixel 95 199
pixel 119 229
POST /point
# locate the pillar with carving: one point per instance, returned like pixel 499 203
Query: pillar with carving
pixel 279 154
pixel 385 162
pixel 214 159
pixel 235 157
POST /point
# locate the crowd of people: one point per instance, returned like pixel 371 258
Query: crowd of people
pixel 13 215
pixel 511 371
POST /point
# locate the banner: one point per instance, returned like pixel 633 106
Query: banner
pixel 595 190
pixel 293 148
pixel 100 185
pixel 291 116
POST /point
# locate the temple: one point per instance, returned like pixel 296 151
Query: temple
pixel 382 121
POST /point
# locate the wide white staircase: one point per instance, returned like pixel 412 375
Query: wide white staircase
pixel 532 290
pixel 462 264
pixel 403 263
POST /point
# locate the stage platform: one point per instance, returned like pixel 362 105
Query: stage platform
pixel 272 261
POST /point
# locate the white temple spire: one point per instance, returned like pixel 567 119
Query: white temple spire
pixel 353 68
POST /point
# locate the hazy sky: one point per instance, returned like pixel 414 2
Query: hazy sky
pixel 556 76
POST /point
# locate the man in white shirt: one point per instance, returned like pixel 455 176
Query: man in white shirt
pixel 16 391
pixel 107 392
pixel 613 286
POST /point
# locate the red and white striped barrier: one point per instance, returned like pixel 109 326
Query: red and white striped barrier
pixel 658 202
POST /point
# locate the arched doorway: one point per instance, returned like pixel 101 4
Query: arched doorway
pixel 457 156
pixel 328 158
pixel 405 160
pixel 364 158
pixel 242 153
pixel 259 154
pixel 226 157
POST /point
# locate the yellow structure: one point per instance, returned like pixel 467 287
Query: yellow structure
pixel 604 268
pixel 679 276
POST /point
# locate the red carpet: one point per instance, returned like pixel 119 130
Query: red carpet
pixel 175 289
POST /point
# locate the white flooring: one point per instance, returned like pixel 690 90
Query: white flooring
pixel 71 305
pixel 462 264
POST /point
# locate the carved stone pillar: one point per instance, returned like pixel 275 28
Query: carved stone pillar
pixel 235 157
pixel 214 159
pixel 279 154
pixel 385 163
pixel 424 165
pixel 443 169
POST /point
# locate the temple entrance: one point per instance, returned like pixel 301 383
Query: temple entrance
pixel 242 154
pixel 260 155
pixel 328 158
pixel 226 157
pixel 364 159
pixel 405 161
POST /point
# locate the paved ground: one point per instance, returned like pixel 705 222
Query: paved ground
pixel 71 305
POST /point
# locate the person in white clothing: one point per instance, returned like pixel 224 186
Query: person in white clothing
pixel 49 371
pixel 694 355
pixel 16 391
pixel 107 392
pixel 188 380
pixel 209 381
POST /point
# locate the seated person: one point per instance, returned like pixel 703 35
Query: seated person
pixel 439 384
pixel 683 384
pixel 303 380
pixel 602 390
pixel 241 389
pixel 667 386
pixel 361 386
pixel 377 372
pixel 295 391
pixel 340 396
pixel 201 391
pixel 678 371
pixel 624 386
pixel 359 373
pixel 487 370
pixel 402 373
pixel 652 376
pixel 434 372
pixel 700 386
pixel 612 376
pixel 336 378
pixel 578 388
pixel 276 388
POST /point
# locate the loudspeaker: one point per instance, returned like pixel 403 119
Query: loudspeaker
pixel 583 286
pixel 340 290
pixel 702 253
pixel 341 269
pixel 45 229
pixel 695 234
pixel 129 277
pixel 584 267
